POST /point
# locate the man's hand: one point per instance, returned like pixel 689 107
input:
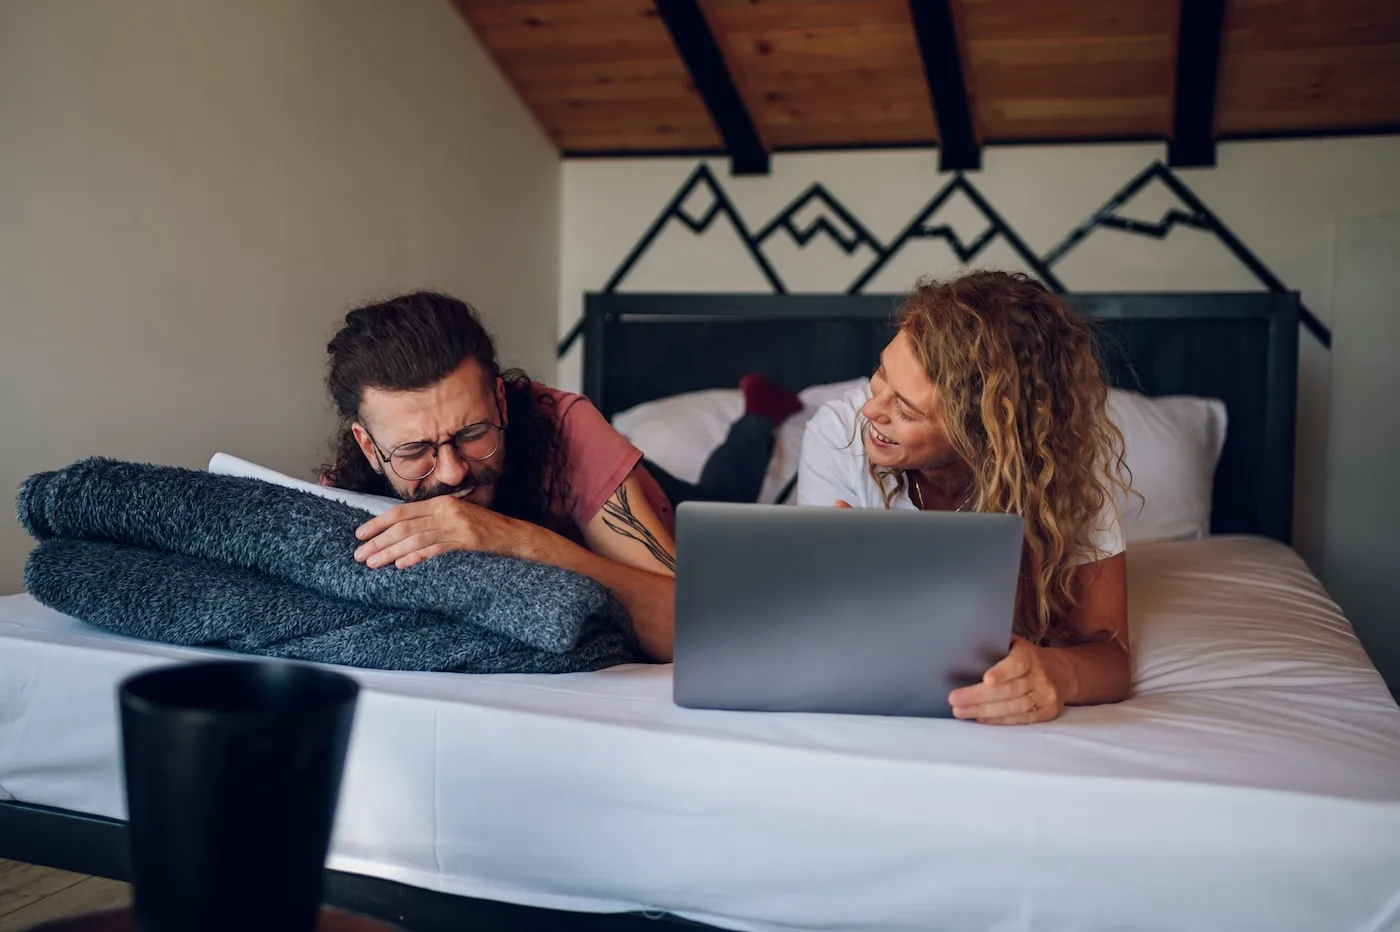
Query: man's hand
pixel 413 532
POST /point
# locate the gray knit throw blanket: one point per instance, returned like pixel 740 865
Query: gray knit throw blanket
pixel 187 557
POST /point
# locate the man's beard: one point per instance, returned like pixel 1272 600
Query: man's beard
pixel 484 478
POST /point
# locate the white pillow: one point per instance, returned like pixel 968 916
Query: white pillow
pixel 679 432
pixel 1172 445
pixel 813 397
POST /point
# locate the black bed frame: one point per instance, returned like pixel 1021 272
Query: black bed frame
pixel 1239 347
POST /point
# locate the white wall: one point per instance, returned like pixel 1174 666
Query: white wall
pixel 191 192
pixel 1283 199
pixel 1363 507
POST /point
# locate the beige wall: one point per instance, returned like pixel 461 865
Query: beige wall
pixel 191 191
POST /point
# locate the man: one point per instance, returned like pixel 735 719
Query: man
pixel 490 460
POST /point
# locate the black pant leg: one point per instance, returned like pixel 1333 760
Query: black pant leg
pixel 735 470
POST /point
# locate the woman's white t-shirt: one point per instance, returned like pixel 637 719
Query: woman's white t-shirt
pixel 833 468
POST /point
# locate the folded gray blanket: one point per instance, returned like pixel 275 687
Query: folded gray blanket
pixel 186 601
pixel 307 541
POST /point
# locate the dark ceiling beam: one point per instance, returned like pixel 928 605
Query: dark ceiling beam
pixel 947 86
pixel 1200 37
pixel 710 75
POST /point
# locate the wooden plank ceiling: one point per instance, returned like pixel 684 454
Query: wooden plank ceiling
pixel 620 76
pixel 598 74
pixel 1310 66
pixel 827 74
pixel 1042 69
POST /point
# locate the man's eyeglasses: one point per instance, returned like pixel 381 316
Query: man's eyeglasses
pixel 417 459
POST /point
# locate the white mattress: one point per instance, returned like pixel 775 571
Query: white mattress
pixel 1252 783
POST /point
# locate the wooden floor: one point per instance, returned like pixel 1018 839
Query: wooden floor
pixel 30 895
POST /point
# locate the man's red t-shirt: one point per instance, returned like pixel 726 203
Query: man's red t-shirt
pixel 596 460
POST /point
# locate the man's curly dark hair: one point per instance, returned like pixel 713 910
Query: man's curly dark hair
pixel 412 342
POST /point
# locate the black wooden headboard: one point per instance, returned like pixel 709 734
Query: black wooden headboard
pixel 1239 347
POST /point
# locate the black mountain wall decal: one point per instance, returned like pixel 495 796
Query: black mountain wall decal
pixel 853 238
pixel 1192 213
pixel 701 179
pixel 826 205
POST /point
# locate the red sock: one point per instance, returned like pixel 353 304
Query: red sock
pixel 767 400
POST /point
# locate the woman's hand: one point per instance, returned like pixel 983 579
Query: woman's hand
pixel 1026 686
pixel 414 532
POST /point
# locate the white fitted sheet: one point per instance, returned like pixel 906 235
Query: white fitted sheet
pixel 1253 782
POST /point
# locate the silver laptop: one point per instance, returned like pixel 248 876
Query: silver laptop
pixel 782 608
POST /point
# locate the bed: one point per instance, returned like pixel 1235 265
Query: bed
pixel 1253 781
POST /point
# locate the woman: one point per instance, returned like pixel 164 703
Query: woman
pixel 990 398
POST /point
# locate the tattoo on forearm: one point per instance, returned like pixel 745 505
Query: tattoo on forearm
pixel 618 516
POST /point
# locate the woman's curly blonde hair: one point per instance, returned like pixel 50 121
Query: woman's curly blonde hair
pixel 1024 403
